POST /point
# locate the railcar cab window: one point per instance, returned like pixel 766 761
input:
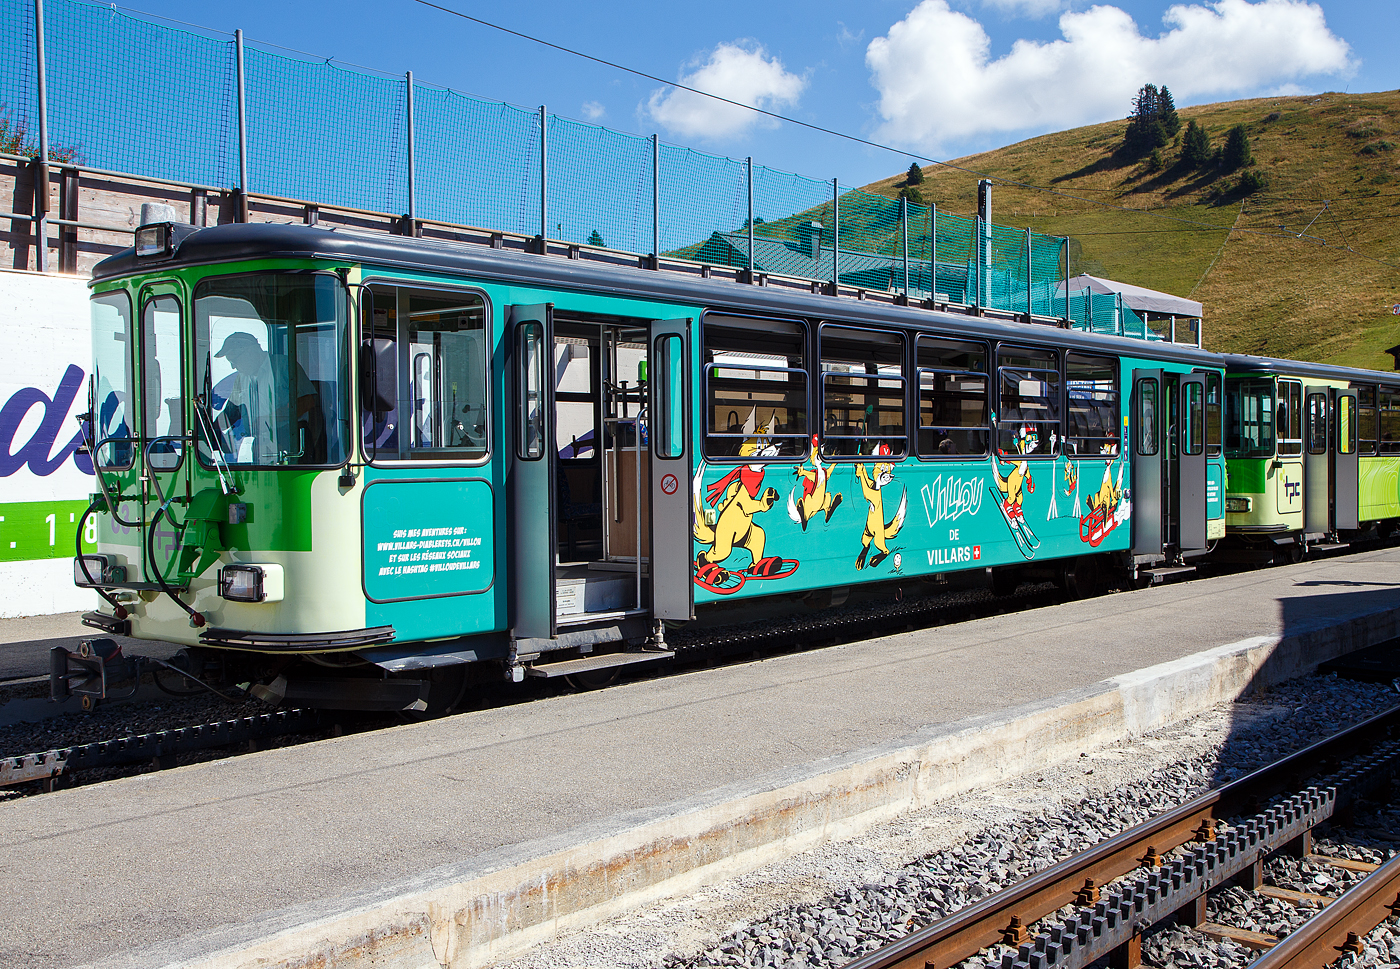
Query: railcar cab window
pixel 1092 386
pixel 1029 389
pixel 1289 417
pixel 1388 406
pixel 423 365
pixel 112 419
pixel 270 362
pixel 862 392
pixel 1249 417
pixel 1367 420
pixel 756 387
pixel 952 397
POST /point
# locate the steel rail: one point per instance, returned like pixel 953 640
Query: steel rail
pixel 1340 927
pixel 1002 917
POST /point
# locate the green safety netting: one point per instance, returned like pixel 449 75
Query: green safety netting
pixel 149 99
pixel 19 113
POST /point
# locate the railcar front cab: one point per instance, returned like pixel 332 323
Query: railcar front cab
pixel 1295 436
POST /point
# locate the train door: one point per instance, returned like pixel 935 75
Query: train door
pixel 530 330
pixel 1189 505
pixel 1345 461
pixel 1147 460
pixel 672 592
pixel 161 428
pixel 1317 487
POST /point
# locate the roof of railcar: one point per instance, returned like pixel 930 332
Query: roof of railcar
pixel 242 241
pixel 1242 363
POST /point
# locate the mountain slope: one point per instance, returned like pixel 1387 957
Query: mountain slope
pixel 1308 267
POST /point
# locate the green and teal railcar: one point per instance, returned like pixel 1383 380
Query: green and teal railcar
pixel 1312 454
pixel 349 468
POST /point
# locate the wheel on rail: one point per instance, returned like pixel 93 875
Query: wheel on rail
pixel 446 687
pixel 1004 582
pixel 594 679
pixel 1082 577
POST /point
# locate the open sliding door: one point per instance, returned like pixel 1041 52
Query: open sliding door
pixel 532 491
pixel 672 592
pixel 1317 465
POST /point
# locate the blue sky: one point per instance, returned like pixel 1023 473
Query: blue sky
pixel 944 78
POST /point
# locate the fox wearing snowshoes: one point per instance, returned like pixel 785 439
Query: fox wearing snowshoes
pixel 816 495
pixel 736 498
pixel 877 530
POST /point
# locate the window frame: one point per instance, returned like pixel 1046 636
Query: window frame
pixel 1254 381
pixel 1216 447
pixel 701 340
pixel 903 338
pixel 1391 393
pixel 1289 445
pixel 1310 430
pixel 1367 447
pixel 1059 372
pixel 440 457
pixel 1139 385
pixel 129 373
pixel 917 390
pixel 1116 368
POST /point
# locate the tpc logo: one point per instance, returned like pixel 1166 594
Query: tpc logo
pixel 1292 489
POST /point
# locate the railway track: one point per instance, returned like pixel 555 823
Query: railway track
pixel 1100 902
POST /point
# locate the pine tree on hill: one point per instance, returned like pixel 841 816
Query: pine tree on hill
pixel 1166 112
pixel 915 175
pixel 597 240
pixel 1195 146
pixel 1145 131
pixel 1237 153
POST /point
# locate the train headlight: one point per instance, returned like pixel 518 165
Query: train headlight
pixel 1239 504
pixel 103 569
pixel 251 583
pixel 154 240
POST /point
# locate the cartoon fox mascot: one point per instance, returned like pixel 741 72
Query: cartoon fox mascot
pixel 815 496
pixel 877 530
pixel 1109 493
pixel 737 498
pixel 1013 486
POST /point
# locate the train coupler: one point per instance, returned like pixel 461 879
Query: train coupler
pixel 90 671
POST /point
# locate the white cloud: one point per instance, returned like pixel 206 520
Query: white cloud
pixel 938 84
pixel 592 110
pixel 744 74
pixel 1025 8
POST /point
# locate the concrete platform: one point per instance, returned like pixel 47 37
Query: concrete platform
pixel 25 643
pixel 463 840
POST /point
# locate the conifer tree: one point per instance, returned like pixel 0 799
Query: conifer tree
pixel 597 240
pixel 1195 145
pixel 1145 131
pixel 1237 153
pixel 915 175
pixel 1166 112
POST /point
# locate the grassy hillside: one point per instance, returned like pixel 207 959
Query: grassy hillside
pixel 1308 267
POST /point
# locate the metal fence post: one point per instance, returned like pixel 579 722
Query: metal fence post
pixel 1118 314
pixel 749 165
pixel 41 165
pixel 835 235
pixel 904 240
pixel 1065 247
pixel 242 127
pixel 655 201
pixel 1030 305
pixel 544 182
pixel 412 226
pixel 933 252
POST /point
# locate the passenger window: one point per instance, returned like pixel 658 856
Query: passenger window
pixel 424 355
pixel 952 397
pixel 1388 399
pixel 1092 386
pixel 1213 412
pixel 862 392
pixel 756 387
pixel 111 380
pixel 669 421
pixel 1289 417
pixel 1029 398
pixel 1367 420
pixel 1147 416
pixel 1346 424
pixel 1193 440
pixel 530 358
pixel 1317 423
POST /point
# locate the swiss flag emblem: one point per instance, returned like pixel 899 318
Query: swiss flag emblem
pixel 976 552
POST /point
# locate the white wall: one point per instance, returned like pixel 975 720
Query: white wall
pixel 44 363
